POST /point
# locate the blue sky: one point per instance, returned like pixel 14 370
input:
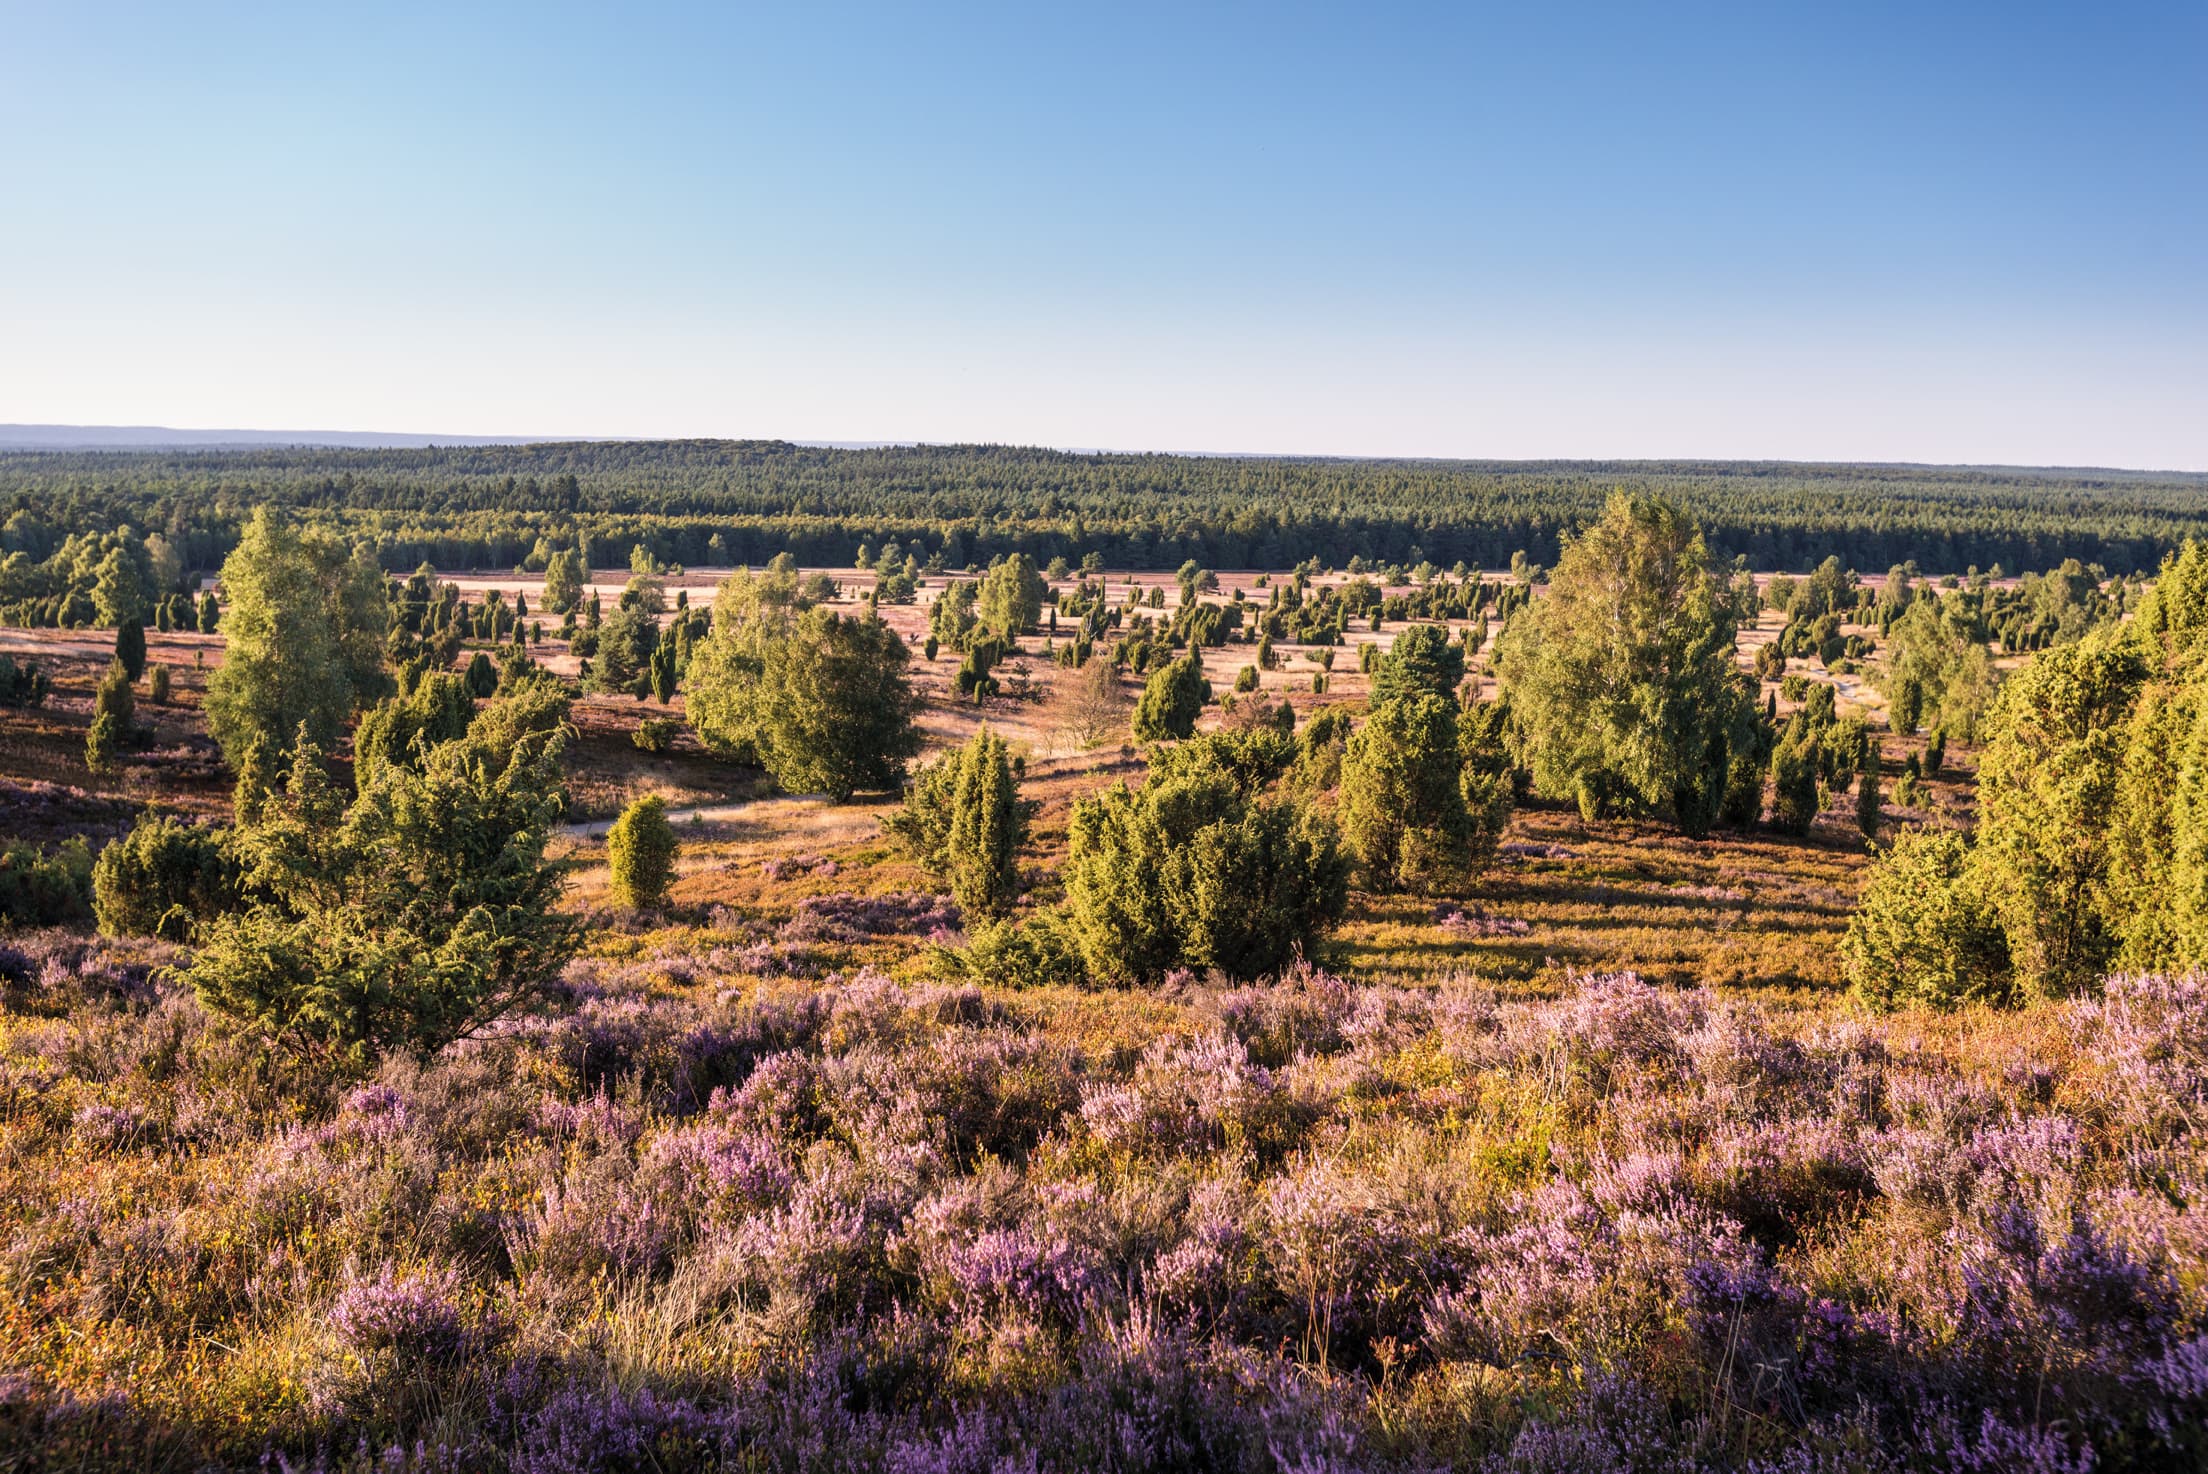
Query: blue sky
pixel 1921 232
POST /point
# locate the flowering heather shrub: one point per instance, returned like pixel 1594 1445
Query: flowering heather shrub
pixel 407 1316
pixel 844 917
pixel 1477 923
pixel 1310 1224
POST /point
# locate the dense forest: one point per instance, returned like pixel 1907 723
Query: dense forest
pixel 712 501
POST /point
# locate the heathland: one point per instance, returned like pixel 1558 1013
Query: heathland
pixel 967 958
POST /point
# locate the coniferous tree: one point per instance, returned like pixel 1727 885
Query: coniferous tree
pixel 130 648
pixel 1172 701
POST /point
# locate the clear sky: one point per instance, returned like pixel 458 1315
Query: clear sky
pixel 1917 231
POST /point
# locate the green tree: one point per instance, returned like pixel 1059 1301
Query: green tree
pixel 1622 683
pixel 2048 786
pixel 119 592
pixel 481 678
pixel 564 581
pixel 1423 661
pixel 822 701
pixel 965 823
pixel 305 633
pixel 1172 701
pixel 1794 795
pixel 1867 811
pixel 1011 598
pixel 130 648
pixel 1922 933
pixel 416 915
pixel 114 712
pixel 640 854
pixel 1402 798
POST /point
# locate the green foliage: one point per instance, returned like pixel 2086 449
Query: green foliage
pixel 964 823
pixel 481 679
pixel 655 734
pixel 1794 795
pixel 564 580
pixel 23 685
pixel 305 632
pixel 1172 701
pixel 1936 672
pixel 1621 682
pixel 1037 951
pixel 157 685
pixel 1011 597
pixel 438 709
pixel 1189 873
pixel 45 887
pixel 1923 933
pixel 165 878
pixel 821 700
pixel 641 851
pixel 1866 794
pixel 1424 661
pixel 114 714
pixel 130 648
pixel 415 915
pixel 2047 786
pixel 1403 807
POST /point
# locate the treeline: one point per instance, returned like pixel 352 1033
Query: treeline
pixel 724 502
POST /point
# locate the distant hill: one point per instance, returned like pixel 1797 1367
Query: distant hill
pixel 162 437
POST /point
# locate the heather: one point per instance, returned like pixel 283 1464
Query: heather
pixel 684 1215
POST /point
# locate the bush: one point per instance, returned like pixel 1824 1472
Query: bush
pixel 45 888
pixel 114 711
pixel 22 685
pixel 1794 796
pixel 157 685
pixel 1922 934
pixel 640 852
pixel 1172 701
pixel 419 914
pixel 655 734
pixel 1402 804
pixel 1189 873
pixel 964 823
pixel 164 879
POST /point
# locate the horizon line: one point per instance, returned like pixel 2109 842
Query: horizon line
pixel 37 438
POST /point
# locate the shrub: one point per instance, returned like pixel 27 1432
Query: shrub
pixel 1172 701
pixel 1794 796
pixel 1402 799
pixel 655 734
pixel 22 685
pixel 130 648
pixel 1423 661
pixel 1189 873
pixel 822 700
pixel 1921 933
pixel 113 713
pixel 640 854
pixel 416 915
pixel 164 879
pixel 45 887
pixel 157 685
pixel 964 823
